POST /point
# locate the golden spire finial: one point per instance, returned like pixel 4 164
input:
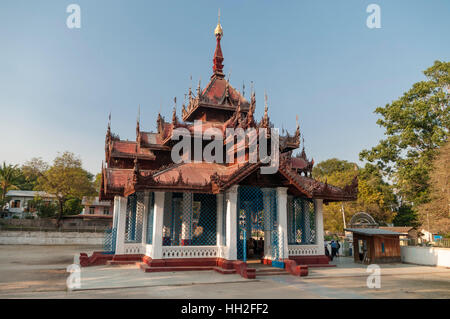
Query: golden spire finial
pixel 218 31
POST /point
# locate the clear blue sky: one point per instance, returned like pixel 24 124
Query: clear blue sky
pixel 316 59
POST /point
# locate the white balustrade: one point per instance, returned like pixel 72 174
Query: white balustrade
pixel 135 248
pixel 303 250
pixel 190 252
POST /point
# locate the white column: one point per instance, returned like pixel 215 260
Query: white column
pixel 282 221
pixel 145 218
pixel 158 220
pixel 186 226
pixel 267 204
pixel 219 225
pixel 319 226
pixel 231 197
pixel 115 211
pixel 120 204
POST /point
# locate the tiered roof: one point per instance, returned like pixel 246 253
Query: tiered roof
pixel 146 164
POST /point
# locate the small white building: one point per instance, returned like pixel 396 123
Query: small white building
pixel 18 204
pixel 95 207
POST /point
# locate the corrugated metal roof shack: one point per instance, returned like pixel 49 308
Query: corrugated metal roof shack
pixel 374 245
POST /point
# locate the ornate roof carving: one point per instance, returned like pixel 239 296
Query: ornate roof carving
pixel 145 164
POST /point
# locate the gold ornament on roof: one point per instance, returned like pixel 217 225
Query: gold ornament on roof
pixel 218 30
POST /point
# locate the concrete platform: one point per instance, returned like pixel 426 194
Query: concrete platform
pixel 131 276
pixel 40 272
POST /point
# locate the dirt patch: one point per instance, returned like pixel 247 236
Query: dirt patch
pixel 34 281
pixel 49 261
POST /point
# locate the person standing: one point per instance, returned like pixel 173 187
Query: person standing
pixel 333 249
pixel 338 246
pixel 327 252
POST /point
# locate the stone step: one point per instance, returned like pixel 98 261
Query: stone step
pixel 271 273
pixel 121 262
pixel 269 269
pixel 319 265
pixel 225 271
pixel 144 267
pixel 134 257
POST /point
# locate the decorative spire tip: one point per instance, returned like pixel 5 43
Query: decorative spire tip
pixel 218 31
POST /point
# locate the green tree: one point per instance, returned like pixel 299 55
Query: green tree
pixel 66 179
pixel 97 182
pixel 436 213
pixel 374 195
pixel 406 216
pixel 416 125
pixel 31 171
pixel 9 179
pixel 73 206
pixel 44 208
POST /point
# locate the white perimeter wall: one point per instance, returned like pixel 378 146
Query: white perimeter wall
pixel 430 256
pixel 50 238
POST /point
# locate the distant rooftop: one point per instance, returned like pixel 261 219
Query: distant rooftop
pixel 398 229
pixel 372 231
pixel 94 201
pixel 21 193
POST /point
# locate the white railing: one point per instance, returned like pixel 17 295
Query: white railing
pixel 135 248
pixel 303 250
pixel 190 251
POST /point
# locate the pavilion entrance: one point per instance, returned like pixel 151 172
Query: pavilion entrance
pixel 257 229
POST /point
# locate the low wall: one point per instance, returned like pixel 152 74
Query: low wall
pixel 429 256
pixel 68 223
pixel 49 238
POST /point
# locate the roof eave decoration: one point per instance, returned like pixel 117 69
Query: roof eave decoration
pixel 315 189
pixel 290 175
pixel 332 193
pixel 220 184
pixel 137 182
pixel 288 142
pixel 102 191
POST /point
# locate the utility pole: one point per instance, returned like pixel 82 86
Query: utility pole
pixel 343 216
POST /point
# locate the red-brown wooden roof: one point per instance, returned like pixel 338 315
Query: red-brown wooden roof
pixel 215 93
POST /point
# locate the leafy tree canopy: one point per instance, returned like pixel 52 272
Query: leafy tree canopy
pixel 66 179
pixel 374 195
pixel 30 172
pixel 9 179
pixel 73 206
pixel 44 208
pixel 406 216
pixel 416 125
pixel 97 182
pixel 436 213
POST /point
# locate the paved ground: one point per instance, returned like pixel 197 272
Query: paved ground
pixel 40 272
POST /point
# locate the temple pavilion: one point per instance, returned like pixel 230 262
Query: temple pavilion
pixel 201 214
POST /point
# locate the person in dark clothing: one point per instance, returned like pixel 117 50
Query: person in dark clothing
pixel 327 252
pixel 338 246
pixel 260 246
pixel 254 246
pixel 333 249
